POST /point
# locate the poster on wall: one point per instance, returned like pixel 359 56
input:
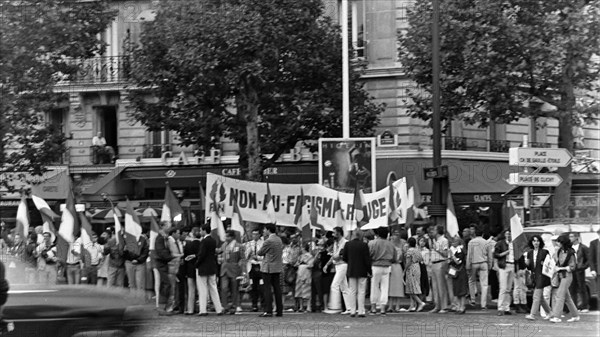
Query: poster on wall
pixel 347 163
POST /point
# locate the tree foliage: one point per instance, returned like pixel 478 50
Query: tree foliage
pixel 264 73
pixel 500 56
pixel 37 40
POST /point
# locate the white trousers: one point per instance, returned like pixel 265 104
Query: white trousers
pixel 506 277
pixel 207 285
pixel 380 285
pixel 358 290
pixel 339 284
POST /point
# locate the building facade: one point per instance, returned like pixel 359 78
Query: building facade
pixel 477 157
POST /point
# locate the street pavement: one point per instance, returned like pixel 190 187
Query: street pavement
pixel 473 323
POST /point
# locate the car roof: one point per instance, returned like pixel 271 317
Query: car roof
pixel 558 229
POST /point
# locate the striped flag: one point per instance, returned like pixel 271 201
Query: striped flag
pixel 299 211
pixel 340 221
pixel 133 229
pixel 48 215
pixel 394 210
pixel 360 208
pixel 23 218
pixel 217 195
pixel 86 231
pixel 516 230
pixel 314 221
pixel 269 205
pixel 118 226
pixel 237 222
pixel 451 220
pixel 415 192
pixel 202 197
pixel 171 211
pixel 154 232
pixel 69 224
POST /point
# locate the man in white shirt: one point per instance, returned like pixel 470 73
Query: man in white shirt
pixel 92 258
pixel 339 283
pixel 102 149
pixel 252 248
pixel 74 262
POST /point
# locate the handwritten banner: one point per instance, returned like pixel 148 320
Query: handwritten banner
pixel 251 196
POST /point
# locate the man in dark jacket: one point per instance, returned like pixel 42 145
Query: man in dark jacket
pixel 356 254
pixel 578 289
pixel 271 268
pixel 206 263
pixel 595 261
pixel 162 256
pixel 116 263
pixel 135 264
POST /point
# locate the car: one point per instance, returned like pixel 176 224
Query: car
pixel 587 232
pixel 70 310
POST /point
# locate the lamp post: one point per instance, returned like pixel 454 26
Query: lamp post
pixel 345 72
pixel 438 208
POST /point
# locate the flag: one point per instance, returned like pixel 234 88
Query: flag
pixel 415 192
pixel 171 211
pixel 86 231
pixel 451 220
pixel 299 211
pixel 69 224
pixel 202 197
pixel 339 216
pixel 314 222
pixel 48 215
pixel 23 218
pixel 269 206
pixel 360 208
pixel 516 230
pixel 133 229
pixel 217 195
pixel 154 232
pixel 237 222
pixel 118 226
pixel 393 206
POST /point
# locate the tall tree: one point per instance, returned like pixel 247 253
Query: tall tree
pixel 499 57
pixel 265 73
pixel 38 40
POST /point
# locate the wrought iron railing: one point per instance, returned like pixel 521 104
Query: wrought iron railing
pixel 99 70
pixel 455 143
pixel 155 150
pixel 499 145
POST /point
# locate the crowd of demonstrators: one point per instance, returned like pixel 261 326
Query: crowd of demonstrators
pixel 189 271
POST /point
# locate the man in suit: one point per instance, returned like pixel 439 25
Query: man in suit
pixel 595 261
pixel 356 254
pixel 206 264
pixel 578 289
pixel 231 271
pixel 162 256
pixel 504 252
pixel 271 268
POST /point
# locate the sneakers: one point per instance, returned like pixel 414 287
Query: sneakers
pixel 530 317
pixel 238 311
pixel 584 311
pixel 573 319
pixel 555 320
pixel 547 317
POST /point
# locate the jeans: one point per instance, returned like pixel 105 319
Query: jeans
pixel 358 289
pixel 380 285
pixel 505 278
pixel 116 276
pixel 578 289
pixel 207 286
pixel 91 272
pixel 520 289
pixel 316 294
pixel 563 296
pixel 74 273
pixel 440 287
pixel 479 270
pixel 272 286
pixel 136 275
pixel 191 294
pixel 48 275
pixel 339 284
pixel 538 299
pixel 229 286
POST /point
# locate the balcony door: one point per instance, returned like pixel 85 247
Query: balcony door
pixel 108 124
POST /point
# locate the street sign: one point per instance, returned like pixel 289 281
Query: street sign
pixel 539 157
pixel 534 179
pixel 436 172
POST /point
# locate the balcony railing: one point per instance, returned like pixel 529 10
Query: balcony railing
pixel 480 144
pixel 155 150
pixel 99 70
pixel 499 145
pixel 455 143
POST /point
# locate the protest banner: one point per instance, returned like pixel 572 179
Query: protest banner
pixel 252 201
